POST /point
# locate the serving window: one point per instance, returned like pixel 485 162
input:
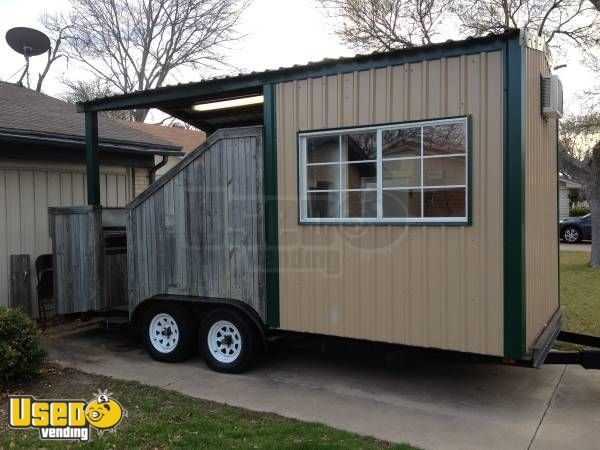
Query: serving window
pixel 414 172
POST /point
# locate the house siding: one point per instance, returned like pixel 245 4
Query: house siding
pixel 541 208
pixel 563 201
pixel 27 189
pixel 430 286
pixel 141 180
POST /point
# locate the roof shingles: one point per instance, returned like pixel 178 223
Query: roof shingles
pixel 26 110
pixel 187 139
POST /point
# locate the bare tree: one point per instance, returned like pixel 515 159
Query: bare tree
pixel 579 157
pixel 174 122
pixel 83 91
pixel 53 53
pixel 138 44
pixel 559 22
pixel 590 97
pixel 387 24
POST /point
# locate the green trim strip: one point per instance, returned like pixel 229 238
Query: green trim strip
pixel 514 203
pixel 557 213
pixel 91 158
pixel 270 194
pixel 470 169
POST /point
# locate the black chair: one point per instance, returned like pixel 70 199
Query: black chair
pixel 44 268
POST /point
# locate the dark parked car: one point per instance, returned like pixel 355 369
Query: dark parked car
pixel 576 229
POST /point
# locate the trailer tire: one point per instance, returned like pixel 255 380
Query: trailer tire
pixel 169 332
pixel 228 341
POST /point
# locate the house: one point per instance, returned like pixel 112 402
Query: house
pixel 405 197
pixel 42 164
pixel 566 187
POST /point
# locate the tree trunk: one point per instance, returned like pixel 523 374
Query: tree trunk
pixel 595 205
pixel 139 115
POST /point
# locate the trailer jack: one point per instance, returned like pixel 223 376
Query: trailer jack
pixel 588 358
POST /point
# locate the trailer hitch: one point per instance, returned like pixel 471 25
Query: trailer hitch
pixel 588 358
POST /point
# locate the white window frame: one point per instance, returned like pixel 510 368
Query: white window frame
pixel 378 129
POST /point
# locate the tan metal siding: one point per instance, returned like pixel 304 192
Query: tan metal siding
pixel 433 286
pixel 541 177
pixel 27 189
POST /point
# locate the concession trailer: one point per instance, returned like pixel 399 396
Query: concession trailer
pixel 406 197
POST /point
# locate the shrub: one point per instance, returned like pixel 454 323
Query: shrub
pixel 579 211
pixel 21 352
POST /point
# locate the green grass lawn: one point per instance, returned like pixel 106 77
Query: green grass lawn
pixel 163 419
pixel 579 293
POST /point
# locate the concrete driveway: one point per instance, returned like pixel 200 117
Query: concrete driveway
pixel 580 247
pixel 425 402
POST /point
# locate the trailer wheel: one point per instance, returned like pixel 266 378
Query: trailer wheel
pixel 228 341
pixel 169 332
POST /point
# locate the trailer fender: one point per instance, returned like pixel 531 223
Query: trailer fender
pixel 211 302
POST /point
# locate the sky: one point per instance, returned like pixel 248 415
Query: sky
pixel 278 33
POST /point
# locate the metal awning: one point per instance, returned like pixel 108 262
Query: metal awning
pixel 179 100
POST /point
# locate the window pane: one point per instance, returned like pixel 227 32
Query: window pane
pixel 323 204
pixel 401 173
pixel 401 143
pixel 444 171
pixel 359 146
pixel 444 202
pixel 359 204
pixel 359 176
pixel 322 149
pixel 402 203
pixel 444 139
pixel 323 177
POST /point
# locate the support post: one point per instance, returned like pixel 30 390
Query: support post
pixel 514 203
pixel 271 214
pixel 91 158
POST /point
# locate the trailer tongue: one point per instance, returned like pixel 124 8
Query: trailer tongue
pixel 588 358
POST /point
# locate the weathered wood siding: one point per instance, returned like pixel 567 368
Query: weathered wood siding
pixel 199 229
pixel 78 259
pixel 430 286
pixel 20 283
pixel 541 206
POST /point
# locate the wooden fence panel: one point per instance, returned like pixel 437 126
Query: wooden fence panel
pixel 199 229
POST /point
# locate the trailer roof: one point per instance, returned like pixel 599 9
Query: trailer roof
pixel 170 98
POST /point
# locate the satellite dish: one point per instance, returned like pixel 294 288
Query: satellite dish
pixel 28 42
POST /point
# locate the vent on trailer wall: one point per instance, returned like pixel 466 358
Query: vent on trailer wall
pixel 552 97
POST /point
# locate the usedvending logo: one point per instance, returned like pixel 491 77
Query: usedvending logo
pixel 66 419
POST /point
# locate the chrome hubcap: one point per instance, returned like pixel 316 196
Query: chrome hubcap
pixel 571 235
